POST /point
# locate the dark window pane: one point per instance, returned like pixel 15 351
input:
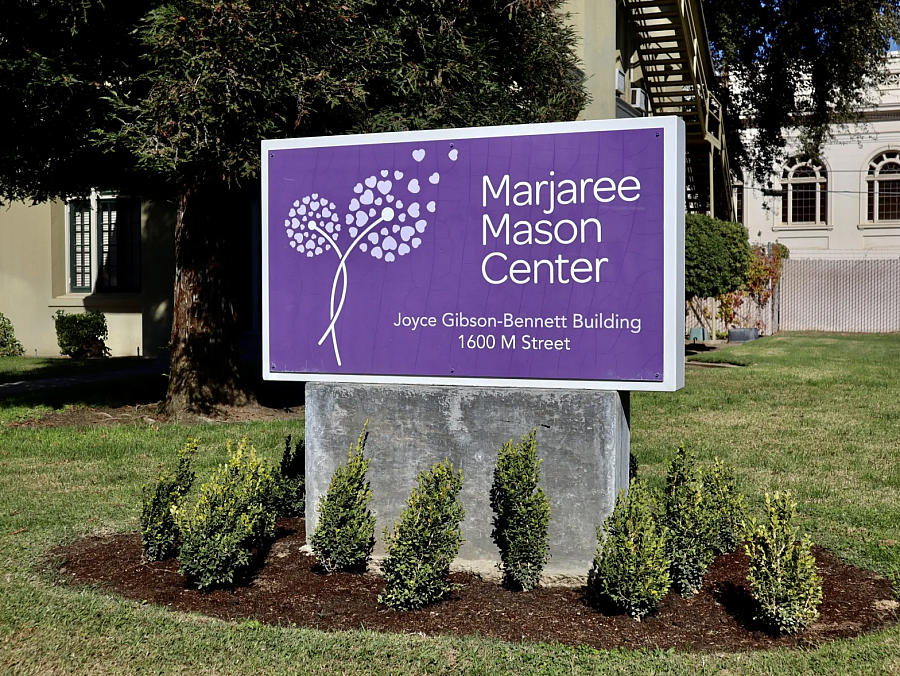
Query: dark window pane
pixel 119 239
pixel 888 200
pixel 871 202
pixel 80 247
pixel 803 203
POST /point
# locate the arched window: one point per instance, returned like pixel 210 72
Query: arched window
pixel 804 199
pixel 884 187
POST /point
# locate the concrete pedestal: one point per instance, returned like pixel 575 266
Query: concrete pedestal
pixel 582 436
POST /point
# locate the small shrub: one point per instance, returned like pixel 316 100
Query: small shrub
pixel 689 524
pixel 290 480
pixel 425 541
pixel 232 517
pixel 726 507
pixel 345 535
pixel 782 572
pixel 631 568
pixel 81 336
pixel 9 346
pixel 521 514
pixel 159 533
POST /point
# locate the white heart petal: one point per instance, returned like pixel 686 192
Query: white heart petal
pixel 334 217
pixel 389 243
pixel 294 245
pixel 407 232
pixel 354 204
pixel 329 227
pixel 384 232
pixel 296 203
pixel 306 200
pixel 413 186
pixel 361 218
pixel 320 241
pixel 313 206
pixel 353 232
pixel 399 204
pixel 401 217
pixel 398 175
pixel 376 252
pixel 403 249
pixel 326 213
pixel 363 247
pixel 292 212
pixel 367 197
pixel 318 250
pixel 302 209
pixel 395 229
pixel 287 222
pixel 434 179
pixel 373 237
pixel 389 198
pixel 372 212
pixel 309 254
pixel 418 155
pixel 453 154
pixel 389 257
pixel 370 182
pixel 420 225
pixel 416 242
pixel 315 195
pixel 414 209
pixel 357 188
pixel 378 201
pixel 298 236
pixel 384 187
pixel 290 233
pixel 310 244
pixel 349 219
pixel 431 206
pixel 384 173
pixel 295 222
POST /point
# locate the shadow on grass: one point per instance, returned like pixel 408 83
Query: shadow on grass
pixel 129 391
pixel 15 369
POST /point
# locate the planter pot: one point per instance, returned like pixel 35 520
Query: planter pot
pixel 742 335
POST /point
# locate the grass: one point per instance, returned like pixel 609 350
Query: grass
pixel 815 414
pixel 13 369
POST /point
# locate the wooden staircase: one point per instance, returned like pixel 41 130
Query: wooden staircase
pixel 677 71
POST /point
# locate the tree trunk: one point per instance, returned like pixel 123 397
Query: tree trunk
pixel 203 372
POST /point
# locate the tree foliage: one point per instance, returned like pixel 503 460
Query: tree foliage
pixel 184 91
pixel 795 65
pixel 716 256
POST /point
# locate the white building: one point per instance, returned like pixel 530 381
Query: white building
pixel 847 207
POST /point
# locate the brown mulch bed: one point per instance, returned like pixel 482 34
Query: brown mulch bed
pixel 288 588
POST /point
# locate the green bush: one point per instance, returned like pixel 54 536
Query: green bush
pixel 782 573
pixel 232 518
pixel 9 346
pixel 689 524
pixel 425 541
pixel 521 514
pixel 290 480
pixel 159 533
pixel 345 535
pixel 726 507
pixel 631 568
pixel 716 256
pixel 81 336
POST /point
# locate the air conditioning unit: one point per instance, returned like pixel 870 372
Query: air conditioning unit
pixel 620 81
pixel 639 99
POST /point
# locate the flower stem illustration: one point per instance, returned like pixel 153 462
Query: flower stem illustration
pixel 313 227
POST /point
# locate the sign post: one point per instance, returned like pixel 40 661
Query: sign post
pixel 523 272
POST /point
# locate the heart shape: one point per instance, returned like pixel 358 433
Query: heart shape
pixel 367 197
pixel 414 209
pixel 416 242
pixel 430 206
pixel 384 173
pixel 389 257
pixel 420 225
pixel 413 186
pixel 418 155
pixel 357 188
pixel 370 182
pixel 434 178
pixel 373 237
pixel 389 243
pixel 453 154
pixel 407 232
pixel 403 250
pixel 361 218
pixel 384 187
pixel 376 252
pixel 398 175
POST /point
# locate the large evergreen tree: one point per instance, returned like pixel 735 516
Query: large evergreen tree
pixel 188 97
pixel 795 66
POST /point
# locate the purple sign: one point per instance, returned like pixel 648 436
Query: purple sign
pixel 538 255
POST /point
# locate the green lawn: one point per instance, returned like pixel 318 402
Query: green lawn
pixel 816 414
pixel 13 369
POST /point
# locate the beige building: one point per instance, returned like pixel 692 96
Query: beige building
pixel 114 253
pixel 847 206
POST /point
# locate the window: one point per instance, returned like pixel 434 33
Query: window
pixel 739 203
pixel 804 194
pixel 104 244
pixel 883 187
